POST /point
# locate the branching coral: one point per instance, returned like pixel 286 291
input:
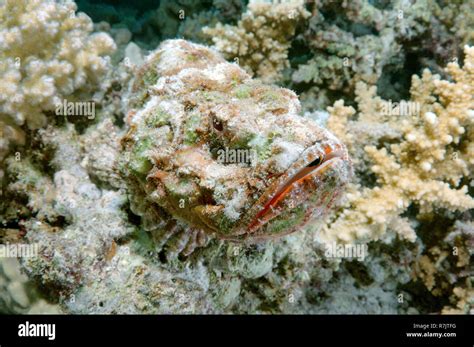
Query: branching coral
pixel 47 53
pixel 465 301
pixel 445 269
pixel 262 37
pixel 427 166
pixel 377 44
pixel 458 16
pixel 414 162
pixel 372 43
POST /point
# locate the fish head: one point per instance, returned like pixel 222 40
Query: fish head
pixel 221 152
pixel 305 192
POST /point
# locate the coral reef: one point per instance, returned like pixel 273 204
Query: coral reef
pixel 113 201
pixel 417 157
pixel 379 44
pixel 18 294
pixel 47 53
pixel 425 162
pixel 74 208
pixel 261 39
pixel 371 43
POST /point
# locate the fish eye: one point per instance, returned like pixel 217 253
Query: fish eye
pixel 315 162
pixel 217 124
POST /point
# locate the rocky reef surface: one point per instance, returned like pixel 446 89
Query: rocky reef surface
pixel 394 82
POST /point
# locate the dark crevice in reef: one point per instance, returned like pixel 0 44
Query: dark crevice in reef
pixel 254 286
pixel 332 15
pixel 369 178
pixel 382 4
pixel 360 273
pixel 359 29
pixel 11 224
pixel 299 52
pixel 54 120
pixel 422 298
pixel 299 88
pixel 59 222
pixel 395 250
pixel 81 122
pixel 13 204
pixel 12 207
pixel 51 291
pixel 431 231
pixel 413 65
pixel 392 83
pixel 132 218
pixel 315 297
pixel 119 121
pixel 282 266
pixel 11 232
pixel 387 142
pixel 398 77
pixel 420 52
pixel 42 156
pixel 99 183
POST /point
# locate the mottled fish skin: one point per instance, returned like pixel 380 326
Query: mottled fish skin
pixel 187 107
pixel 313 172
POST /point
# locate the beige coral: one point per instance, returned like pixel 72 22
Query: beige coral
pixel 419 159
pixel 464 298
pixel 260 41
pixel 459 17
pixel 47 53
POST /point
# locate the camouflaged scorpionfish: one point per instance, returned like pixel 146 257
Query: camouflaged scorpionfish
pixel 212 152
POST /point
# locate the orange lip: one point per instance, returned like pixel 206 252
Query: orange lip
pixel 269 209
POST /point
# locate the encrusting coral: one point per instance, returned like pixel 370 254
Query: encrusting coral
pixel 262 37
pixel 47 53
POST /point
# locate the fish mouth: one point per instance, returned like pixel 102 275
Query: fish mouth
pixel 311 184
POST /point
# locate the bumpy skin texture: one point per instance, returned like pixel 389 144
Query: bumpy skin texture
pixel 188 106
